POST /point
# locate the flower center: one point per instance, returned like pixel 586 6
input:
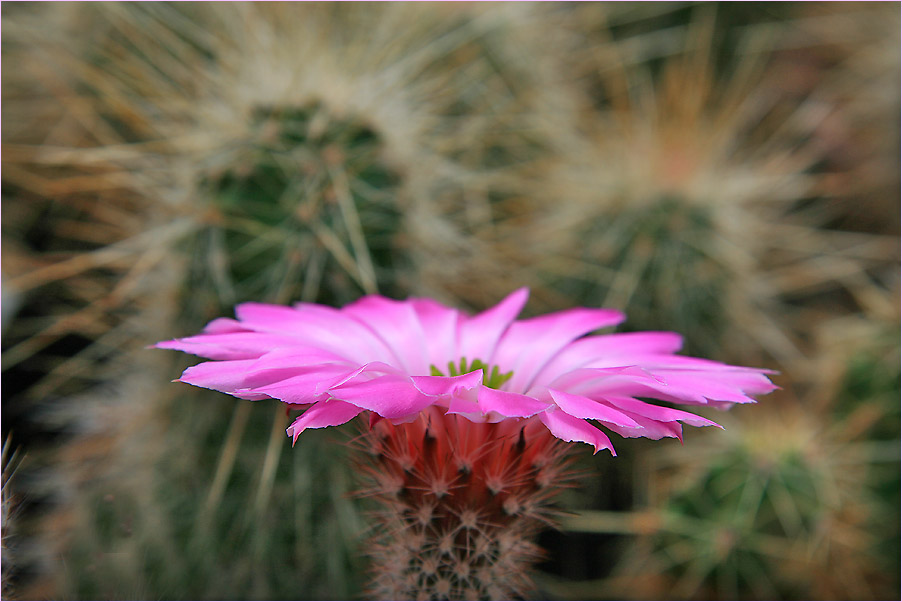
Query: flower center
pixel 490 378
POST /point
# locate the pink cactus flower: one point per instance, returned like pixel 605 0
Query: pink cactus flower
pixel 396 359
pixel 464 447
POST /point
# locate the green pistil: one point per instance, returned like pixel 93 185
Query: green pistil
pixel 490 378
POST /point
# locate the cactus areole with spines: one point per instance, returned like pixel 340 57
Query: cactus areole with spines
pixel 463 445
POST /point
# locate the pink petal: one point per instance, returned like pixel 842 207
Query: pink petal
pixel 295 357
pixel 583 407
pixel 509 404
pixel 479 335
pixel 680 362
pixel 748 380
pixel 679 386
pixel 390 396
pixel 658 413
pixel 229 346
pixel 223 325
pixel 699 387
pixel 318 326
pixel 447 385
pixel 530 344
pixel 467 408
pixel 439 325
pixel 619 349
pixel 395 323
pixel 324 413
pixel 592 381
pixel 309 387
pixel 650 429
pixel 223 376
pixel 566 427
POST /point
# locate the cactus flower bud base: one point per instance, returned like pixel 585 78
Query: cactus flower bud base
pixel 459 504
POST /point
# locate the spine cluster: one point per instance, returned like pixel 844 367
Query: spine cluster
pixel 458 504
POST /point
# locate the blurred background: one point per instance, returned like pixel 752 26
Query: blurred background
pixel 726 170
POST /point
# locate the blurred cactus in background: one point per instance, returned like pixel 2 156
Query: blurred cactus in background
pixel 308 194
pixel 781 508
pixel 799 501
pixel 691 187
pixel 730 171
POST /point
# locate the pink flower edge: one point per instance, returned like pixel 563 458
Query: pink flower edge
pixel 392 358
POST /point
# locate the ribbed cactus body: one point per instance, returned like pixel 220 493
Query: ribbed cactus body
pixel 459 503
pixel 780 506
pixel 667 278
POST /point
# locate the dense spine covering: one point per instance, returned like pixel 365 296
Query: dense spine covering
pixel 458 504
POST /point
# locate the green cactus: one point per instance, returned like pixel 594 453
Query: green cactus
pixel 868 400
pixel 307 209
pixel 780 506
pixel 668 277
pixel 311 214
pixel 250 540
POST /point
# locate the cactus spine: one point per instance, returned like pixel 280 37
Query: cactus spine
pixel 458 504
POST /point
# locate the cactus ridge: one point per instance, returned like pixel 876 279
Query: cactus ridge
pixel 458 504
